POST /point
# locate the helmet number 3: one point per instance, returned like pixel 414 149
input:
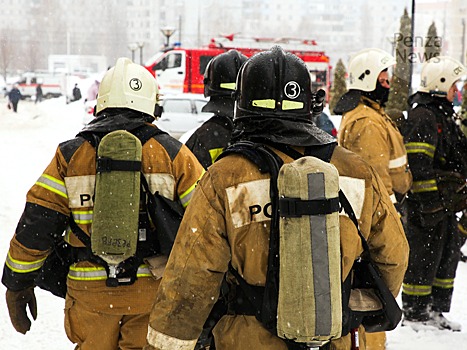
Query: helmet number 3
pixel 135 84
pixel 292 90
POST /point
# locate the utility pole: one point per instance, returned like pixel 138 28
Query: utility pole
pixel 412 31
pixel 463 42
pixel 140 45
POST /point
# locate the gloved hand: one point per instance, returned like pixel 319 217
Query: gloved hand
pixel 17 301
pixel 430 217
pixel 318 103
pixel 453 191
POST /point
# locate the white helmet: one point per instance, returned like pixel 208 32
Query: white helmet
pixel 365 66
pixel 439 73
pixel 128 85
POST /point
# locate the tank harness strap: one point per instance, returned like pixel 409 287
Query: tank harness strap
pixel 130 265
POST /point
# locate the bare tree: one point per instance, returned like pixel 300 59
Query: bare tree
pixel 7 51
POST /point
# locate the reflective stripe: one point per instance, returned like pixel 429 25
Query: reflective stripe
pixel 393 198
pixel 287 105
pixel 424 186
pixel 185 197
pixel 447 283
pixel 271 104
pixel 229 86
pixel 19 266
pixel 421 147
pixel 83 217
pixel 462 229
pixel 412 289
pixel 99 273
pixel 52 184
pixel 398 162
pixel 215 153
pixel 322 256
pixel 162 341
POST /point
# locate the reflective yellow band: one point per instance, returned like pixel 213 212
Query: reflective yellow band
pixel 52 184
pixel 229 86
pixel 271 104
pixel 447 283
pixel 398 162
pixel 83 217
pixel 424 186
pixel 160 340
pixel 185 197
pixel 462 229
pixel 99 273
pixel 417 290
pixel 19 266
pixel 287 105
pixel 421 147
pixel 215 152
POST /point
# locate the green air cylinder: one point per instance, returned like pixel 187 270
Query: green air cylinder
pixel 310 300
pixel 114 233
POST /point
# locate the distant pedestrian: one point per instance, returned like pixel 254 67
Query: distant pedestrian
pixel 92 91
pixel 39 93
pixel 14 96
pixel 76 93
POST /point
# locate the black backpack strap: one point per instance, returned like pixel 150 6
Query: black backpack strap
pixel 350 212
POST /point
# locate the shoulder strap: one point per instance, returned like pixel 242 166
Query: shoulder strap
pixel 143 133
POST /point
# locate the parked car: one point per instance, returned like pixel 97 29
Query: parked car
pixel 182 112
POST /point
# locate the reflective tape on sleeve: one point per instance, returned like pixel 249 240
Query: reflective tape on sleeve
pixel 424 186
pixel 398 162
pixel 19 266
pixel 185 197
pixel 52 184
pixel 420 147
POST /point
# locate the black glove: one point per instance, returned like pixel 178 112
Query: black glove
pixel 318 103
pixel 453 191
pixel 17 301
pixel 430 216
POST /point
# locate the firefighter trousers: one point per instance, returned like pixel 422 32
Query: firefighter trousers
pixel 434 255
pixel 97 330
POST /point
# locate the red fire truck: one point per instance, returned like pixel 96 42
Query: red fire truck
pixel 181 69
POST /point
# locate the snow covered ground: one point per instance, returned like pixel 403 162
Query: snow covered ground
pixel 28 140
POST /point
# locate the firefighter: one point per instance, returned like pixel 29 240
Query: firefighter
pixel 437 152
pixel 98 314
pixel 365 127
pixel 367 130
pixel 214 135
pixel 229 219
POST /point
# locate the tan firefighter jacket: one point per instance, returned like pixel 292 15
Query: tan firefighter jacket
pixel 66 188
pixel 228 221
pixel 368 131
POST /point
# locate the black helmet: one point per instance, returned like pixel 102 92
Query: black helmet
pixel 274 84
pixel 221 73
